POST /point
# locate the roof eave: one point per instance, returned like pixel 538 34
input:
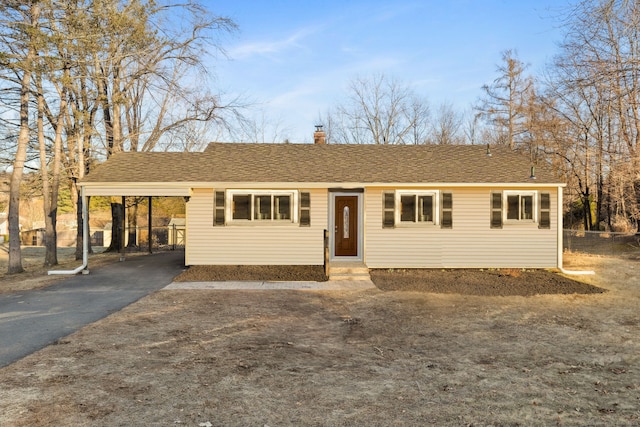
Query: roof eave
pixel 185 188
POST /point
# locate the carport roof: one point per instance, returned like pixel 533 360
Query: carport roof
pixel 308 163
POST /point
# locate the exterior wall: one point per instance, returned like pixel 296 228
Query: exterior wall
pixel 471 243
pixel 253 244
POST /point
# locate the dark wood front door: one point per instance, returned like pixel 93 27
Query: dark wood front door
pixel 346 230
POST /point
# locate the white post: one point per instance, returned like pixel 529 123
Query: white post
pixel 85 232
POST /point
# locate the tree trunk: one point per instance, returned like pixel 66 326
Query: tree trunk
pixel 117 233
pixel 15 254
pixel 79 221
pixel 599 200
pixel 50 238
pixel 132 220
pixel 586 209
pixel 636 187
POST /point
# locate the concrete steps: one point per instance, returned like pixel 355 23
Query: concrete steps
pixel 348 271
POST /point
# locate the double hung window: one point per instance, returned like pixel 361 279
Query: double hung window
pixel 417 207
pixel 520 207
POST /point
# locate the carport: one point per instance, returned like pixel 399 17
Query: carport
pixel 91 187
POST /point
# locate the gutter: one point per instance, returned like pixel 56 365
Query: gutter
pixel 85 242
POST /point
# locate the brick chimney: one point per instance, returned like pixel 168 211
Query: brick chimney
pixel 319 137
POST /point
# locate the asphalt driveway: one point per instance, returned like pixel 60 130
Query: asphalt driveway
pixel 34 319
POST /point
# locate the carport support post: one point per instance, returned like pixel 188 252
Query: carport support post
pixel 85 232
pixel 123 229
pixel 150 229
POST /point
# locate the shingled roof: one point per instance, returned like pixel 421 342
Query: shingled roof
pixel 310 163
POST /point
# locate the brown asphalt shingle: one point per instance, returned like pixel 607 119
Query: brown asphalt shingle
pixel 241 162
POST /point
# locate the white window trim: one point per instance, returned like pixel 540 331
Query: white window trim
pixel 436 208
pixel 229 207
pixel 505 207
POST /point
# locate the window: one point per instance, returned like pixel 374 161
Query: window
pixel 416 207
pixel 405 207
pixel 519 207
pixel 241 206
pixel 260 206
pixel 266 207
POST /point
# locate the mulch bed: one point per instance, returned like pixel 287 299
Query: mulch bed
pixel 271 273
pixel 494 282
pixel 500 282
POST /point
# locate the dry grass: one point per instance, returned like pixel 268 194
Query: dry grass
pixel 256 358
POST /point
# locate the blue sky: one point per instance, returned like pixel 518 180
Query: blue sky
pixel 295 59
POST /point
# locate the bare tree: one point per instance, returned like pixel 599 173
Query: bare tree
pixel 471 127
pixel 379 110
pixel 259 128
pixel 596 81
pixel 447 126
pixel 142 67
pixel 19 42
pixel 503 103
pixel 106 76
pixel 417 115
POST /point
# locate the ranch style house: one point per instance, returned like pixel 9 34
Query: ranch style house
pixel 384 206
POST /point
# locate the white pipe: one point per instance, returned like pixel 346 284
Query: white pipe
pixel 85 241
pixel 577 272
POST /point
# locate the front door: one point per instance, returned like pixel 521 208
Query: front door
pixel 346 226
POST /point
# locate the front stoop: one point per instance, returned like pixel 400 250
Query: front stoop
pixel 348 271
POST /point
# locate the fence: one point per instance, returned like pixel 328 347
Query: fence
pixel 602 242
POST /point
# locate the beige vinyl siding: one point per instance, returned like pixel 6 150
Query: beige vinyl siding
pixel 253 244
pixel 471 243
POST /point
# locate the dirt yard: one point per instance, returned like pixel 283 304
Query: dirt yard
pixel 378 358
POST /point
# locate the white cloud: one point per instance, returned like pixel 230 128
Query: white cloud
pixel 271 47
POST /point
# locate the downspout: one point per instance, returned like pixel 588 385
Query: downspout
pixel 577 272
pixel 561 245
pixel 85 241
